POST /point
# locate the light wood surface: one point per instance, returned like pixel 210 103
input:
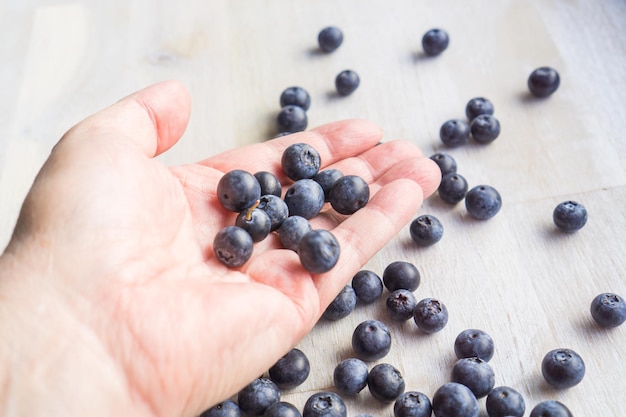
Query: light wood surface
pixel 513 276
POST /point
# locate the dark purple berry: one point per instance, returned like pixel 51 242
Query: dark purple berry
pixel 430 315
pixel 477 106
pixel 562 368
pixel 485 128
pixel 254 221
pixel 324 404
pixel 550 408
pixel 330 38
pixel 282 409
pixel 304 198
pixel 269 183
pixel 296 96
pixel 349 194
pixel 291 370
pixel 238 190
pixel 350 376
pixel 608 310
pixel 257 396
pixel 454 400
pixel 291 231
pixel 569 216
pixel 226 408
pixel 505 402
pixel 371 340
pixel 300 161
pixel 412 404
pixel 476 374
pixel 342 305
pixel 426 230
pixel 401 275
pixel 347 82
pixel 385 382
pixel 368 286
pixel 276 209
pixel 318 251
pixel 400 305
pixel 474 343
pixel 292 119
pixel 233 246
pixel 454 132
pixel 435 41
pixel 483 202
pixel 453 188
pixel 327 179
pixel 446 162
pixel 543 81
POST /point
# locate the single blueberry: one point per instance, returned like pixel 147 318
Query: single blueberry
pixel 304 198
pixel 330 38
pixel 349 194
pixel 254 221
pixel 562 368
pixel 504 401
pixel 233 246
pixel 430 315
pixel 453 188
pixel 342 305
pixel 400 305
pixel 412 404
pixel 476 374
pixel 276 209
pixel 454 132
pixel 435 41
pixel 226 408
pixel 257 396
pixel 367 285
pixel 385 382
pixel 445 162
pixel 608 310
pixel 477 106
pixel 543 81
pixel 238 190
pixel 550 408
pixel 291 119
pixel 300 160
pixel 569 216
pixel 401 275
pixel 292 230
pixel 327 179
pixel 426 230
pixel 269 183
pixel 474 343
pixel 324 404
pixel 282 409
pixel 291 370
pixel 371 340
pixel 483 202
pixel 318 251
pixel 485 128
pixel 350 376
pixel 347 82
pixel 454 399
pixel 296 96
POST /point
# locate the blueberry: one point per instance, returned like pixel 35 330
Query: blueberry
pixel 401 275
pixel 412 404
pixel 349 194
pixel 562 368
pixel 291 231
pixel 446 162
pixel 238 190
pixel 300 160
pixel 483 202
pixel 347 82
pixel 233 246
pixel 371 340
pixel 342 305
pixel 426 230
pixel 282 409
pixel 430 315
pixel 550 408
pixel 304 198
pixel 435 41
pixel 476 374
pixel 453 188
pixel 453 399
pixel 367 285
pixel 543 81
pixel 254 221
pixel 318 251
pixel 330 38
pixel 327 179
pixel 385 382
pixel 400 305
pixel 505 402
pixel 477 106
pixel 226 408
pixel 291 370
pixel 608 310
pixel 485 128
pixel 269 183
pixel 454 132
pixel 257 396
pixel 569 216
pixel 292 119
pixel 296 96
pixel 350 376
pixel 474 343
pixel 324 404
pixel 276 209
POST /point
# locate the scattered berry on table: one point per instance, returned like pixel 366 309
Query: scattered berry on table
pixel 254 221
pixel 233 246
pixel 238 190
pixel 446 162
pixel 269 183
pixel 454 399
pixel 304 198
pixel 342 305
pixel 454 132
pixel 282 409
pixel 435 41
pixel 367 285
pixel 385 382
pixel 608 310
pixel 412 404
pixel 324 404
pixel 350 376
pixel 228 408
pixel 318 251
pixel 543 82
pixel 291 370
pixel 257 396
pixel 371 340
pixel 327 179
pixel 291 231
pixel 300 161
pixel 477 106
pixel 485 128
pixel 276 209
pixel 550 408
pixel 453 188
pixel 296 96
pixel 401 275
pixel 474 343
pixel 292 119
pixel 349 194
pixel 330 38
pixel 569 216
pixel 346 82
pixel 400 305
pixel 476 374
pixel 483 202
pixel 563 368
pixel 426 230
pixel 430 315
pixel 504 401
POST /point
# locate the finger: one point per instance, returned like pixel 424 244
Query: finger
pixel 152 119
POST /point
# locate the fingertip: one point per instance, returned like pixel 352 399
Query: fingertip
pixel 364 131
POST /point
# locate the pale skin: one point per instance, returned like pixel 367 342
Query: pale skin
pixel 111 300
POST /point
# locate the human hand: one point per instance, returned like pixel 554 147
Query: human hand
pixel 111 300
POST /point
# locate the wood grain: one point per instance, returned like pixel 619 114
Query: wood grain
pixel 513 276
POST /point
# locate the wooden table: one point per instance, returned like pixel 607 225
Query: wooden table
pixel 514 276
